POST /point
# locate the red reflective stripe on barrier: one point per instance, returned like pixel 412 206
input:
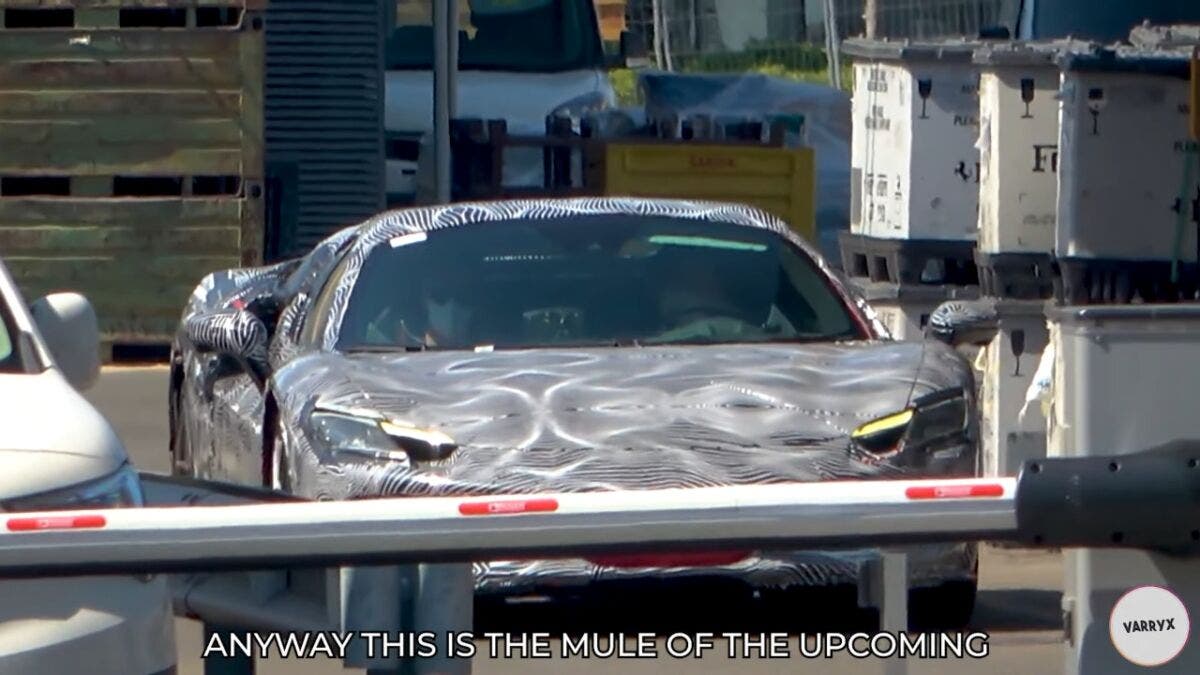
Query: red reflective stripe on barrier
pixel 504 506
pixel 954 491
pixel 55 523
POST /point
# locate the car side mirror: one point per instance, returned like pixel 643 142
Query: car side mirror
pixel 963 322
pixel 236 334
pixel 69 327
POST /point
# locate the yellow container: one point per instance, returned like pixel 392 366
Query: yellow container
pixel 611 14
pixel 781 181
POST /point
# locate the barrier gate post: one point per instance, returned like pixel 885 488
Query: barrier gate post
pixel 234 664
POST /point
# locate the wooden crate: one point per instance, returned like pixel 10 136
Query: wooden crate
pixel 133 151
pixel 611 14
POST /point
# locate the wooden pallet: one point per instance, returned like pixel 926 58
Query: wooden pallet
pixel 1086 281
pixel 909 261
pixel 1017 276
pixel 127 352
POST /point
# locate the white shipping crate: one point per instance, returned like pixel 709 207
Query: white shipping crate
pixel 915 168
pixel 1125 377
pixel 1125 380
pixel 1124 139
pixel 1018 144
pixel 1012 432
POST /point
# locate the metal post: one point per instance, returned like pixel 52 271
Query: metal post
pixel 236 664
pixel 452 58
pixel 871 18
pixel 442 65
pixel 833 45
pixel 444 604
pixel 894 613
pixel 887 590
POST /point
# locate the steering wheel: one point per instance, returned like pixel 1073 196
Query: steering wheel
pixel 698 322
pixel 554 323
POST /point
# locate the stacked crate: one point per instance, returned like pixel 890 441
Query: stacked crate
pixel 1129 186
pixel 914 166
pixel 1127 336
pixel 914 177
pixel 132 138
pixel 1019 160
pixel 1088 186
pixel 1018 202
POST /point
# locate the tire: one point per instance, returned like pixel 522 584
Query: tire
pixel 181 456
pixel 280 478
pixel 942 608
pixel 182 461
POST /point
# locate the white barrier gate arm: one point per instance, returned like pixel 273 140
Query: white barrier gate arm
pixel 1148 500
pixel 394 530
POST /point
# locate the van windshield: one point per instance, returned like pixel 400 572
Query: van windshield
pixel 539 36
pixel 1106 21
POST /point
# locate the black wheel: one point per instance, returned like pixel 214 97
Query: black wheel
pixel 945 607
pixel 280 475
pixel 181 455
pixel 182 461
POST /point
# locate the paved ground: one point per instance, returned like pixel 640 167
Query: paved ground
pixel 1018 604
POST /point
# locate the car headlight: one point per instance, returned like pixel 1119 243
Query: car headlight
pixel 116 490
pixel 378 438
pixel 926 423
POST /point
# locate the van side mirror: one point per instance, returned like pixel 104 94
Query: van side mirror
pixel 68 325
pixel 963 322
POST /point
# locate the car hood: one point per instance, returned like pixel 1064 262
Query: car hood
pixel 636 417
pixel 51 437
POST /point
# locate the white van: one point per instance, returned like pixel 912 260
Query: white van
pixel 57 452
pixel 519 60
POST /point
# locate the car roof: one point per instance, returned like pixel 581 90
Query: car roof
pixel 390 224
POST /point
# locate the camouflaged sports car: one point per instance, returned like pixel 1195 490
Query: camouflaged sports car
pixel 569 345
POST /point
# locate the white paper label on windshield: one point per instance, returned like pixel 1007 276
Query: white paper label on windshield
pixel 406 239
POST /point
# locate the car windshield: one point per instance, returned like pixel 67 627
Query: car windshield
pixel 508 35
pixel 605 280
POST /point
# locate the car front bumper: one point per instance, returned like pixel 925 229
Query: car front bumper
pixel 99 625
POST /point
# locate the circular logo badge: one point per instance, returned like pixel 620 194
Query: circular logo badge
pixel 1149 626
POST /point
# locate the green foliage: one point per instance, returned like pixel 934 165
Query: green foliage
pixel 804 62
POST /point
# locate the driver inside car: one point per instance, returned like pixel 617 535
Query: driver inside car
pixel 435 314
pixel 694 303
